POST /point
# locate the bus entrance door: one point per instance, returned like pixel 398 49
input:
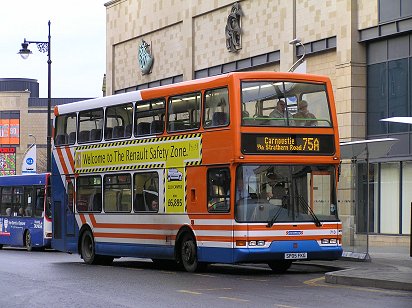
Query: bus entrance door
pixel 70 221
pixel 63 218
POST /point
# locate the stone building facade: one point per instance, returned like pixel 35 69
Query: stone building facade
pixel 344 39
pixel 22 113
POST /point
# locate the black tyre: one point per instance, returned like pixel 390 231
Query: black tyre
pixel 105 260
pixel 280 266
pixel 1 246
pixel 165 264
pixel 188 255
pixel 87 248
pixel 27 241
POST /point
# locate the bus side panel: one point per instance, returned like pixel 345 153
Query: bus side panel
pixel 213 231
pixel 35 227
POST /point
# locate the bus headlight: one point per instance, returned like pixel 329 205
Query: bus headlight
pixel 329 241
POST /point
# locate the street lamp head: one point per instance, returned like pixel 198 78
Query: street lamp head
pixel 24 52
pixel 295 41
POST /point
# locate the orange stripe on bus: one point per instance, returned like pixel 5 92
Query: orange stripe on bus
pixel 70 157
pixel 62 162
pixel 82 218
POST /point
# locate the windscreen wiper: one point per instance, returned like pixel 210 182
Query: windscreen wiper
pixel 272 221
pixel 306 206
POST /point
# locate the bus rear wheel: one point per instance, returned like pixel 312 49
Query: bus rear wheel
pixel 280 266
pixel 188 255
pixel 27 241
pixel 88 251
pixel 87 248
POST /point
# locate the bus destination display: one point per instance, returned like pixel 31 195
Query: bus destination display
pixel 288 144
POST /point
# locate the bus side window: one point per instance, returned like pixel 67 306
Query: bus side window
pixel 184 112
pixel 216 109
pixel 218 190
pixel 119 121
pixel 90 125
pixel 149 117
pixel 65 131
pixel 146 192
pixel 38 210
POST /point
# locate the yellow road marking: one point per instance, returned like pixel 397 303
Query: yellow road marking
pixel 252 279
pixel 234 299
pixel 214 289
pixel 205 275
pixel 189 292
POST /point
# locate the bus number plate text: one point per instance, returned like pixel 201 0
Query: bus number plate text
pixel 296 255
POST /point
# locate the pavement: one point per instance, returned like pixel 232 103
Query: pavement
pixel 386 268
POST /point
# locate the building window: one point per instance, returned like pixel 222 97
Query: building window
pixel 389 197
pixel 394 9
pixel 406 197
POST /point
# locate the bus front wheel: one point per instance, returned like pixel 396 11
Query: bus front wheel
pixel 87 248
pixel 27 240
pixel 280 266
pixel 188 255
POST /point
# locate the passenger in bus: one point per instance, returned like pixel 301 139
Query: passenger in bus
pixel 21 211
pixel 154 206
pixel 28 211
pixel 8 211
pixel 280 112
pixel 302 114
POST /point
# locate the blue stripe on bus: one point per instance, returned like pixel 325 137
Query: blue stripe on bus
pixel 135 250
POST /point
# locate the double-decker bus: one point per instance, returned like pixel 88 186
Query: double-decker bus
pixel 25 214
pixel 203 171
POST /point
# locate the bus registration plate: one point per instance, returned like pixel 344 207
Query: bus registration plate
pixel 296 255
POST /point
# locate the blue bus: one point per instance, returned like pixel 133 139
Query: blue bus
pixel 25 215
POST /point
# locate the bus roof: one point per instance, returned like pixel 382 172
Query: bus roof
pixel 25 179
pixel 172 88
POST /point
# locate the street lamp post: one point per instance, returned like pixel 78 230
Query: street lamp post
pixel 24 53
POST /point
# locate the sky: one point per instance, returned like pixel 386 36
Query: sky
pixel 78 44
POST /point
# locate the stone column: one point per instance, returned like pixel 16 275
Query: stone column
pixel 350 99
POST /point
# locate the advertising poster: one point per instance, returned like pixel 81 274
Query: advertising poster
pixel 7 161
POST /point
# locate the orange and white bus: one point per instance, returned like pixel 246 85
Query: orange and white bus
pixel 225 169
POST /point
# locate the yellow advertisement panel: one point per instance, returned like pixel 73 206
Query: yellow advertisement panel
pixel 171 153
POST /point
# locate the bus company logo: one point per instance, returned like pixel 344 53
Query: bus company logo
pixel 293 232
pixel 5 223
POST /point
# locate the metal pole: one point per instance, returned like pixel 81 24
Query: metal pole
pixel 49 131
pixel 368 200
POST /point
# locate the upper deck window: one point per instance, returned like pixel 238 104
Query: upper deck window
pixel 277 103
pixel 184 112
pixel 90 125
pixel 216 108
pixel 65 129
pixel 119 122
pixel 150 117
